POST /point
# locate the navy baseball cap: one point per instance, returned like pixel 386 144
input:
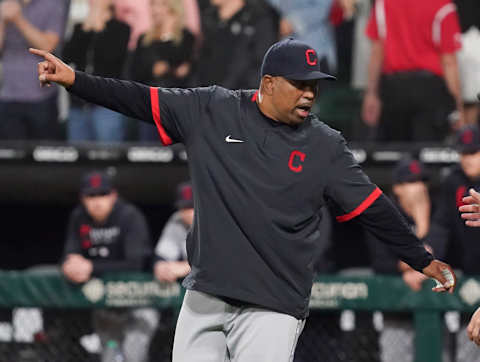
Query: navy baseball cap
pixel 409 169
pixel 184 196
pixel 293 59
pixel 468 139
pixel 96 183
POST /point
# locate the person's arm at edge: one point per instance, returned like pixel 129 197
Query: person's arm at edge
pixel 2 35
pixel 47 40
pixel 452 79
pixel 371 103
pixel 473 328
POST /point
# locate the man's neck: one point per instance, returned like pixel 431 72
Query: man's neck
pixel 230 8
pixel 265 107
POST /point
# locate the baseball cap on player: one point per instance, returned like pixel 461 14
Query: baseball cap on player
pixel 409 169
pixel 468 139
pixel 293 59
pixel 184 196
pixel 96 183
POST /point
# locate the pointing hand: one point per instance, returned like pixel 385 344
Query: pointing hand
pixel 53 70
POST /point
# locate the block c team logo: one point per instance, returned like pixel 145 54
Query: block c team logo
pixel 311 57
pixel 296 160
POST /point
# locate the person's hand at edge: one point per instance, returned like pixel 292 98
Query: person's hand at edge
pixel 471 211
pixel 52 69
pixel 442 274
pixel 473 328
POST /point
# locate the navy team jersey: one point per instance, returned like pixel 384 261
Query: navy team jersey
pixel 259 185
pixel 120 243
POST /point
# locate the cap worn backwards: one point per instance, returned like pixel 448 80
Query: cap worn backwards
pixel 293 59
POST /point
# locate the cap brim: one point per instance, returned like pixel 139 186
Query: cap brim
pixel 310 76
pixel 96 191
pixel 184 204
pixel 467 149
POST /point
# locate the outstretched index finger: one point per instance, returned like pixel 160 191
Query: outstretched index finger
pixel 46 55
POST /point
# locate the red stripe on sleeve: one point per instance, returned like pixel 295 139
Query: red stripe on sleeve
pixel 254 97
pixel 166 140
pixel 362 207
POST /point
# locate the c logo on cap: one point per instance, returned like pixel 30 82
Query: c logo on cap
pixel 95 181
pixel 311 57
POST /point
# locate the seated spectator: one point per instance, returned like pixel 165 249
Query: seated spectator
pixel 413 77
pixel 171 251
pixel 410 194
pixel 99 46
pixel 108 234
pixel 163 54
pixel 236 35
pixel 28 112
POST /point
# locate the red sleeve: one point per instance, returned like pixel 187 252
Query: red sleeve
pixel 450 40
pixel 372 27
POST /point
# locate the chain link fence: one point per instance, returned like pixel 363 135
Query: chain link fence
pixel 72 335
pixel 113 319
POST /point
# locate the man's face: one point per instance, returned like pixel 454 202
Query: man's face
pixel 293 99
pixel 99 207
pixel 470 163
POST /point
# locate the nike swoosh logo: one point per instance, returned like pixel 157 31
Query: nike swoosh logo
pixel 229 139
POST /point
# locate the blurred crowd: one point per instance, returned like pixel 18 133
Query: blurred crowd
pixel 405 72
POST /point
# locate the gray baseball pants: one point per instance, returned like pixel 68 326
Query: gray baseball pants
pixel 211 330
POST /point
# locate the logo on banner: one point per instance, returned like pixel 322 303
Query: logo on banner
pixel 470 292
pixel 94 290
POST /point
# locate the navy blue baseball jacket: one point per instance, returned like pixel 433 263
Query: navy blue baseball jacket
pixel 259 185
pixel 120 243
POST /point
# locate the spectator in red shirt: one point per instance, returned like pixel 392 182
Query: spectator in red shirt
pixel 413 79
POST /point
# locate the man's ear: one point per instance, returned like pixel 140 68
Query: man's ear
pixel 268 84
pixel 397 189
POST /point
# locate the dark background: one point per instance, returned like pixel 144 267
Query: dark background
pixel 36 199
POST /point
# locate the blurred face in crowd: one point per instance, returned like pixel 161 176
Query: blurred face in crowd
pixel 218 2
pixel 165 9
pixel 470 163
pixel 288 101
pixel 187 216
pixel 101 3
pixel 99 207
pixel 160 9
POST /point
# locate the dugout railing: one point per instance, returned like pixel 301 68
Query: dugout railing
pixel 49 290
